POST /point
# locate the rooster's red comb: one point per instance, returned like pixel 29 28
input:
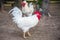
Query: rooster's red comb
pixel 23 4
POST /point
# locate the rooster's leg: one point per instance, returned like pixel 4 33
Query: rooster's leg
pixel 29 34
pixel 24 35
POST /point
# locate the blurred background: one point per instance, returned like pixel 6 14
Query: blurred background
pixel 47 29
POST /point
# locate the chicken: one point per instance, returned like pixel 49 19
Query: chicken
pixel 27 9
pixel 25 23
pixel 31 7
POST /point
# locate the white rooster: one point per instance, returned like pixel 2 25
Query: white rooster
pixel 25 23
pixel 27 9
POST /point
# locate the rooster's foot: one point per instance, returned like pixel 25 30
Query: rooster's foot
pixel 24 35
pixel 29 34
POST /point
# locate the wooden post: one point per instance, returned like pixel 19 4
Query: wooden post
pixel 19 3
pixel 1 4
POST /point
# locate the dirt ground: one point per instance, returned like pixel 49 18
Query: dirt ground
pixel 47 29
